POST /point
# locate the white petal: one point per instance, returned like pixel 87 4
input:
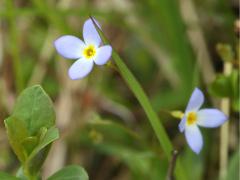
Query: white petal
pixel 182 124
pixel 194 138
pixel 69 46
pixel 90 33
pixel 210 118
pixel 80 68
pixel 103 55
pixel 196 100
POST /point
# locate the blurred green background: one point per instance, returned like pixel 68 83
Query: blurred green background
pixel 169 45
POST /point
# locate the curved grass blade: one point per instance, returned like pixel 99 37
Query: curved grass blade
pixel 145 103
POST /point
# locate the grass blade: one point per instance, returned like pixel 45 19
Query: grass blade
pixel 145 103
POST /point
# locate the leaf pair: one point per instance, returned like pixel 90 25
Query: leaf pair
pixel 31 130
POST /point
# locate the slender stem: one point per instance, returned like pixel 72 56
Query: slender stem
pixel 225 107
pixel 143 100
pixel 151 114
pixel 170 173
pixel 28 174
pixel 153 118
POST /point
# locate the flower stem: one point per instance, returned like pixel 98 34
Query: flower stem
pixel 151 114
pixel 137 90
pixel 143 100
pixel 172 165
pixel 28 174
pixel 225 107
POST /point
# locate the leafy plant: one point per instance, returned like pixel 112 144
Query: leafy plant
pixel 31 131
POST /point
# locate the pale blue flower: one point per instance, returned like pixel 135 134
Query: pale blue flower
pixel 87 53
pixel 194 117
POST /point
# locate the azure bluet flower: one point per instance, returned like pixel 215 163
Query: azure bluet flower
pixel 87 52
pixel 194 117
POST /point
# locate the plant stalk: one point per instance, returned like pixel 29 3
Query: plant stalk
pixel 154 120
pixel 224 131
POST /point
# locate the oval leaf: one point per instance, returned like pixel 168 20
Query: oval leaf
pixel 221 86
pixel 35 108
pixel 72 172
pixel 39 153
pixel 16 136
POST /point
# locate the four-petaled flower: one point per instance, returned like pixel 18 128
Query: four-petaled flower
pixel 87 53
pixel 194 117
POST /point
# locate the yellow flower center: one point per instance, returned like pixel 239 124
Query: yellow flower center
pixel 191 118
pixel 89 52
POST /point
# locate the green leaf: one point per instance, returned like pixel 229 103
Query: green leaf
pixel 34 164
pixel 33 114
pixel 51 135
pixel 5 176
pixel 221 86
pixel 72 172
pixel 227 86
pixel 29 144
pixel 137 90
pixel 39 154
pixel 144 101
pixel 233 169
pixel 35 108
pixel 31 129
pixel 16 136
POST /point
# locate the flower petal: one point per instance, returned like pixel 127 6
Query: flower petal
pixel 210 118
pixel 181 125
pixel 103 55
pixel 194 138
pixel 69 46
pixel 195 101
pixel 80 69
pixel 90 34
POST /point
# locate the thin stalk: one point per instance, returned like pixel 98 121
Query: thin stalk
pixel 28 174
pixel 170 173
pixel 137 90
pixel 224 131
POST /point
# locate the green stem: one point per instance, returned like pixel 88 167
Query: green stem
pixel 146 105
pixel 224 131
pixel 143 100
pixel 28 174
pixel 151 114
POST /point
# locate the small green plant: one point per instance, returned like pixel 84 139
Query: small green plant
pixel 31 130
